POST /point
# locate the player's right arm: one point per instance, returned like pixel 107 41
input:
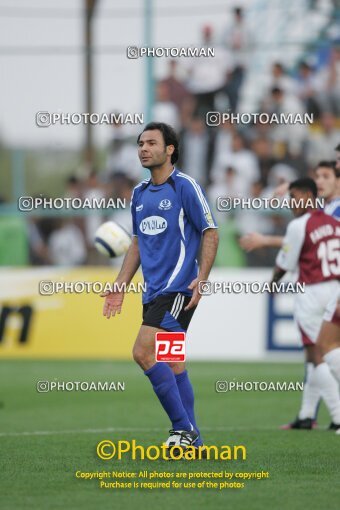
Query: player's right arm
pixel 130 264
pixel 114 299
pixel 256 241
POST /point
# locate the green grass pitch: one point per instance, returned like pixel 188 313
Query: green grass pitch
pixel 46 437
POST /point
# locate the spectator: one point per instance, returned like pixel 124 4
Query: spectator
pixel 293 135
pixel 177 92
pixel 237 39
pixel 229 187
pixel 164 109
pixel 38 249
pixel 243 161
pixel 195 144
pixel 308 89
pixel 280 79
pixel 208 75
pixel 330 93
pixel 321 143
pixel 122 154
pixel 279 174
pixel 262 148
pixel 93 192
pixel 66 245
pixel 73 187
pixel 222 147
pixel 249 220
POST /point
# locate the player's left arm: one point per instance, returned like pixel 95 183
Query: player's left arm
pixel 199 214
pixel 208 254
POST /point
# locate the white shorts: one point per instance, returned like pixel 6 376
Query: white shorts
pixel 311 306
pixel 332 313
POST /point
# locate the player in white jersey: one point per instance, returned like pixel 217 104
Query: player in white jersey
pixel 327 180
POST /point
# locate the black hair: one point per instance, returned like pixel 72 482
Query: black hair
pixel 337 148
pixel 276 90
pixel 305 184
pixel 72 180
pixel 306 65
pixel 279 65
pixel 329 164
pixel 169 136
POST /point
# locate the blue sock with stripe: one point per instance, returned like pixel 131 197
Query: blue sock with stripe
pixel 164 384
pixel 187 396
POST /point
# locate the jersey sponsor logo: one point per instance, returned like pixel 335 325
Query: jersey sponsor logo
pixel 139 208
pixel 170 346
pixel 153 225
pixel 165 204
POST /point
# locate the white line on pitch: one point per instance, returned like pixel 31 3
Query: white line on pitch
pixel 123 429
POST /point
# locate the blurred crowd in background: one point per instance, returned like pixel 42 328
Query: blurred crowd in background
pixel 229 160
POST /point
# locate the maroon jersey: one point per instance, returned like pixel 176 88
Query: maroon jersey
pixel 312 245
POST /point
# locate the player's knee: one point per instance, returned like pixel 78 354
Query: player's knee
pixel 326 340
pixel 323 347
pixel 140 356
pixel 137 354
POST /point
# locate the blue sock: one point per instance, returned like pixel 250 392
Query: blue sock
pixel 164 384
pixel 187 395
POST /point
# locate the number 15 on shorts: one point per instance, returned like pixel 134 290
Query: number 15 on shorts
pixel 170 346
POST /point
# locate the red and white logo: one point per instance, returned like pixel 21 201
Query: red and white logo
pixel 170 346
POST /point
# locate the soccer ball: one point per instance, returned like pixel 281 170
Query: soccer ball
pixel 112 240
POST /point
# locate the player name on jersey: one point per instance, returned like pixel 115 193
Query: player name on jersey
pixel 324 231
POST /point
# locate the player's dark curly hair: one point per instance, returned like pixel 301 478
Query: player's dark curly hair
pixel 169 136
pixel 305 184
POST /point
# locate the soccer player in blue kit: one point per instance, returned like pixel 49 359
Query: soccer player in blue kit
pixel 172 222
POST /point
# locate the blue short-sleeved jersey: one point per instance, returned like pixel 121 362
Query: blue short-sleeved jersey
pixel 168 220
pixel 333 208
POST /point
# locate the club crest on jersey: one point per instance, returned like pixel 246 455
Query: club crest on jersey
pixel 139 208
pixel 165 204
pixel 153 225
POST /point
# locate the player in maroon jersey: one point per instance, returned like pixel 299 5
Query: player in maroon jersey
pixel 311 245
